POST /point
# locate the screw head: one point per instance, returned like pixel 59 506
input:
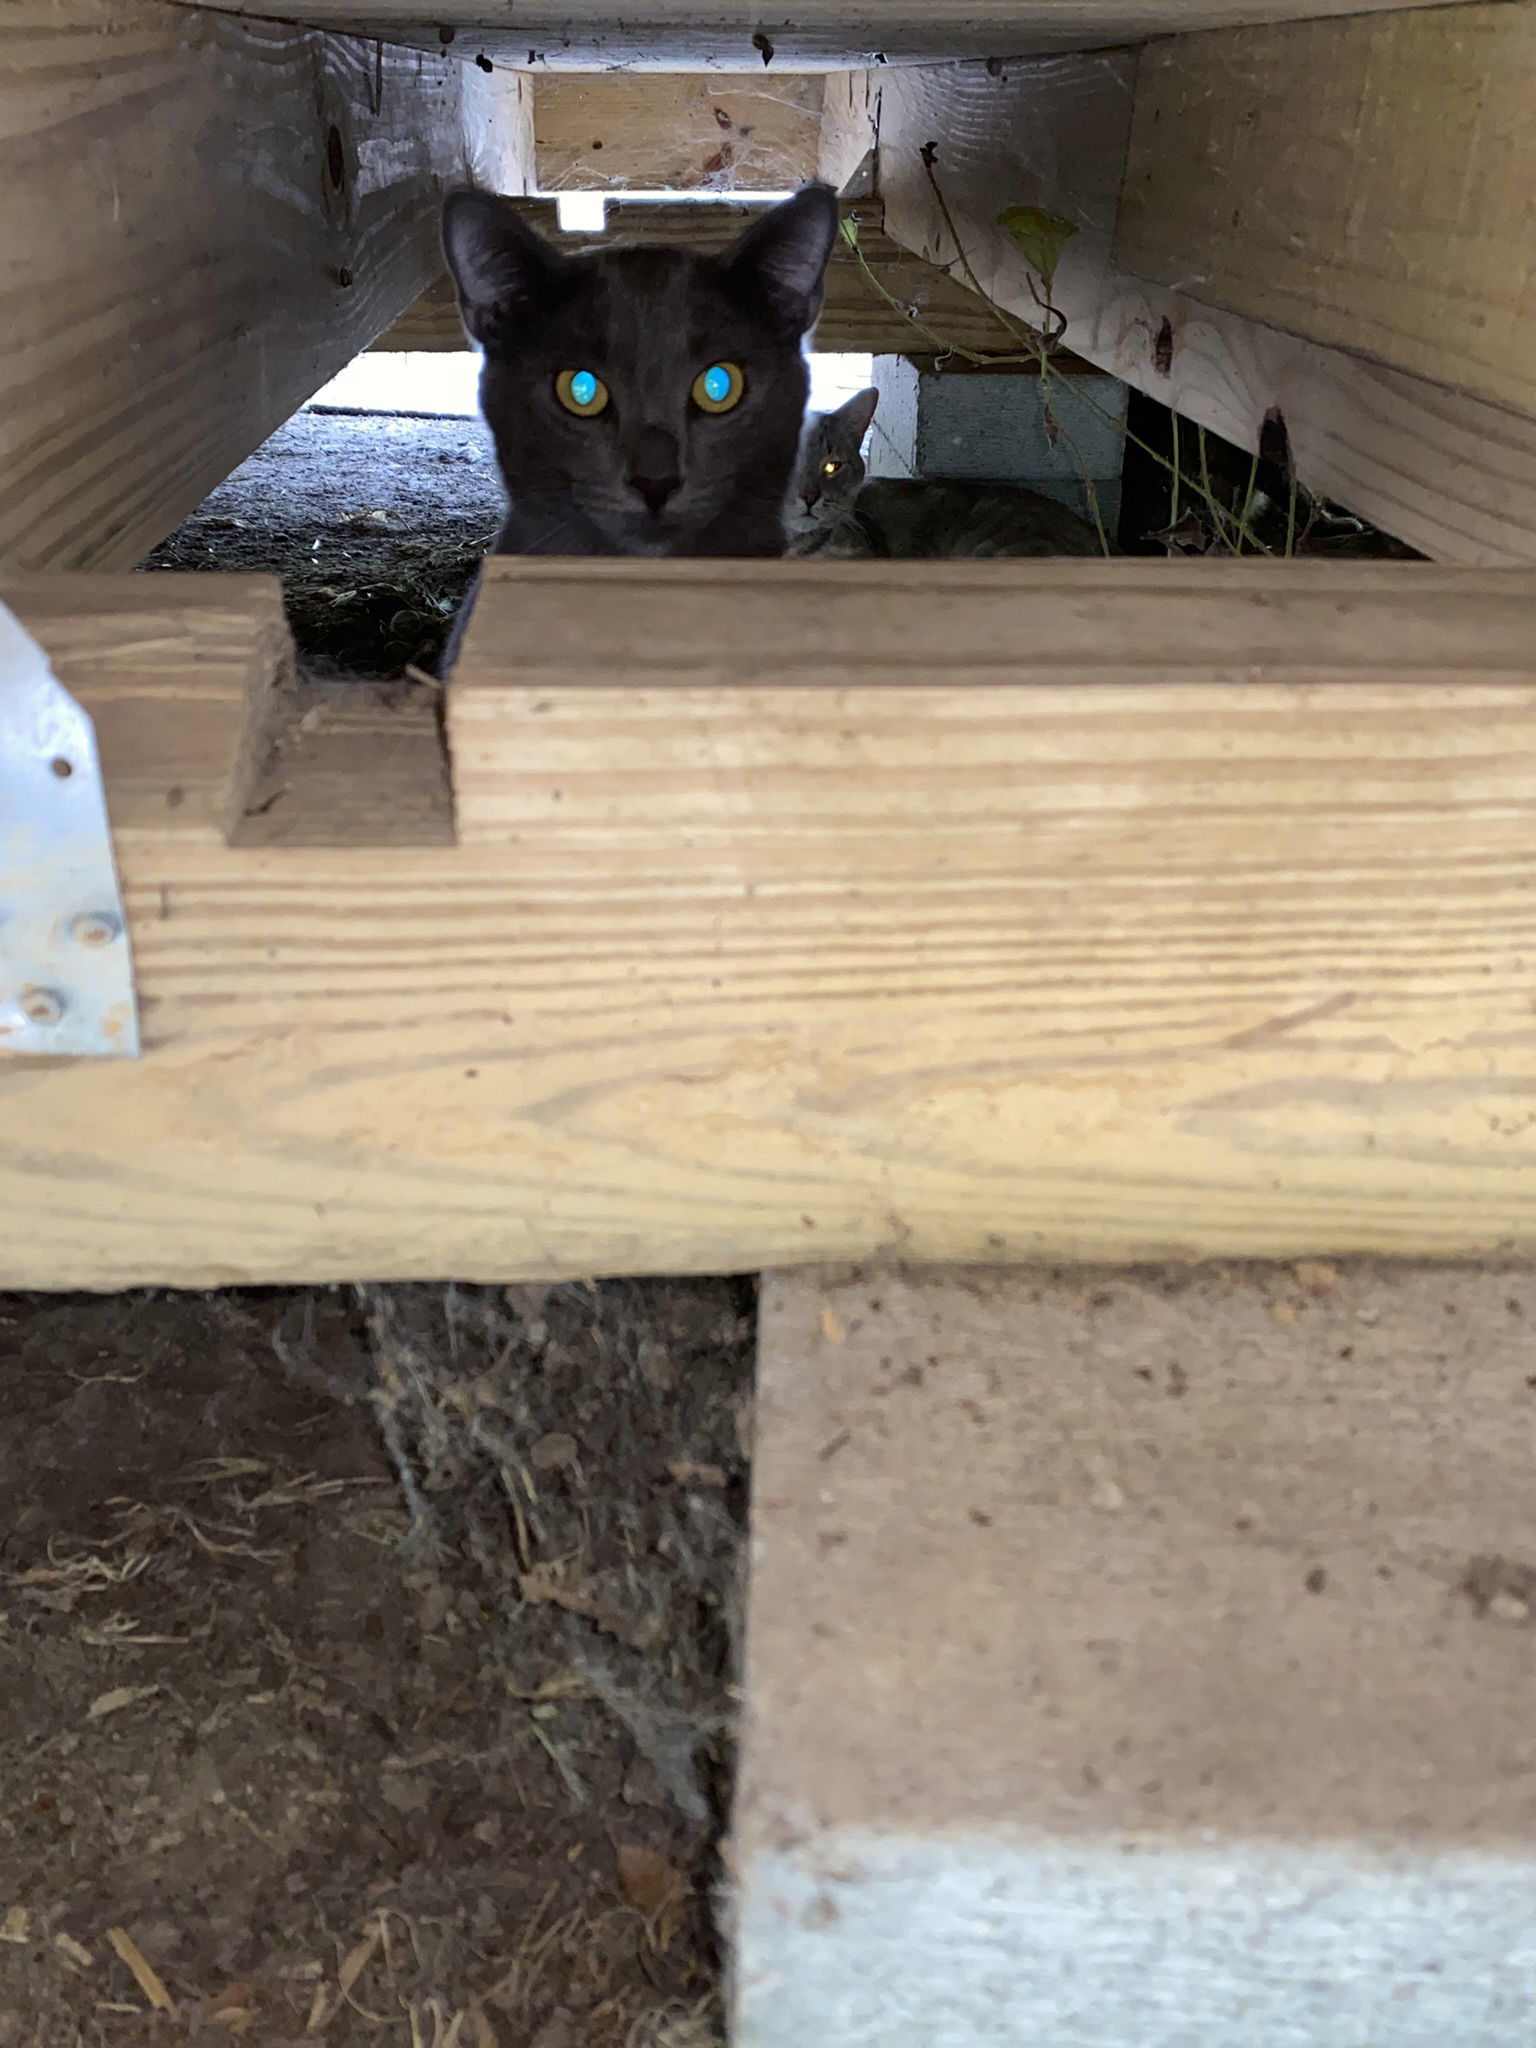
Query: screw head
pixel 42 1005
pixel 96 928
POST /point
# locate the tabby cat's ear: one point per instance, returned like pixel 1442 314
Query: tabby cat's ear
pixel 858 412
pixel 499 264
pixel 782 258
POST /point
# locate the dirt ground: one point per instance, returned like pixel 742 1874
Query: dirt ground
pixel 376 523
pixel 367 1661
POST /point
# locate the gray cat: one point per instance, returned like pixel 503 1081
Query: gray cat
pixel 835 510
pixel 643 401
pixel 818 516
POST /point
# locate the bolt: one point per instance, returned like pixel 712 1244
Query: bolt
pixel 95 928
pixel 42 1005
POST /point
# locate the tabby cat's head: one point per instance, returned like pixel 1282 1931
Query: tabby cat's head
pixel 644 401
pixel 830 467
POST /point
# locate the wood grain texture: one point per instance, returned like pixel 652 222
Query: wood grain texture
pixel 1366 183
pixel 1011 911
pixel 855 317
pixel 201 219
pixel 689 132
pixel 1451 475
pixel 207 733
pixel 722 35
pixel 1138 1659
pixel 496 111
pixel 180 675
pixel 429 325
pixel 850 129
pixel 349 763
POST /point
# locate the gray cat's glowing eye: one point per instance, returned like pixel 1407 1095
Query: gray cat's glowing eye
pixel 719 387
pixel 581 392
pixel 830 468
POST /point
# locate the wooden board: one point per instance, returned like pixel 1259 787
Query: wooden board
pixel 726 35
pixel 180 674
pixel 1451 475
pixel 201 219
pixel 1138 1659
pixel 344 760
pixel 850 129
pixel 430 325
pixel 1367 183
pixel 208 736
pixel 496 110
pixel 687 133
pixel 1007 911
pixel 855 317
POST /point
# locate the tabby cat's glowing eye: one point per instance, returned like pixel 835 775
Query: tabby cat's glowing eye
pixel 830 468
pixel 581 392
pixel 719 387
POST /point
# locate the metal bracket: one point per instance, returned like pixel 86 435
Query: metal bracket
pixel 66 972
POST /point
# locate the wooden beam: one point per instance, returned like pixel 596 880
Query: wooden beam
pixel 201 220
pixel 1006 911
pixel 430 325
pixel 346 761
pixel 1365 183
pixel 497 116
pixel 850 129
pixel 743 35
pixel 688 132
pixel 1144 1661
pixel 181 675
pixel 209 738
pixel 857 316
pixel 1451 475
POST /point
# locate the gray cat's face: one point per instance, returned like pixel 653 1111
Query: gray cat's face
pixel 830 467
pixel 643 401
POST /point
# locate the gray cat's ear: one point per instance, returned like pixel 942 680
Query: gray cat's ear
pixel 781 260
pixel 499 264
pixel 858 412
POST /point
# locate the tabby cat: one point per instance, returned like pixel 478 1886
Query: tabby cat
pixel 643 401
pixel 835 510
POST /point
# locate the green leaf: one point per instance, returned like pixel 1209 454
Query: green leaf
pixel 850 230
pixel 1041 237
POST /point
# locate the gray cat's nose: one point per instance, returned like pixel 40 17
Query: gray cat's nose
pixel 655 489
pixel 653 468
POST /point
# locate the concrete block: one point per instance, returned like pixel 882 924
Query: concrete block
pixel 1142 1661
pixel 892 446
pixel 1009 429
